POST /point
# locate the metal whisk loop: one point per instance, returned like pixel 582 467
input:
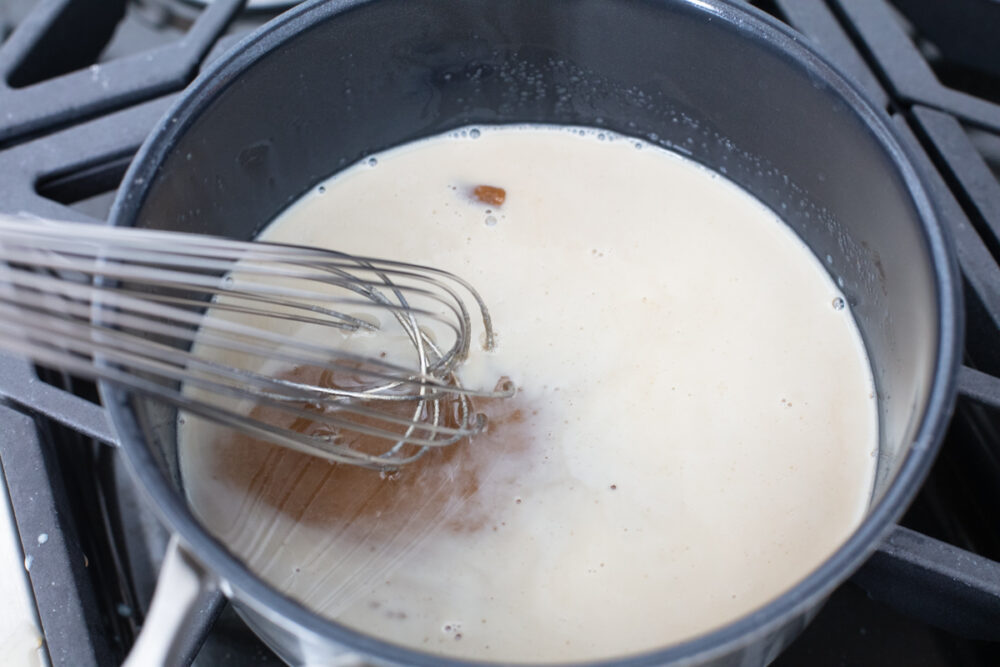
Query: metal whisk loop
pixel 366 350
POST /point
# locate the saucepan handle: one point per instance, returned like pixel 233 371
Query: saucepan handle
pixel 185 593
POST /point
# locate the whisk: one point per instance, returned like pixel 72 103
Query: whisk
pixel 212 326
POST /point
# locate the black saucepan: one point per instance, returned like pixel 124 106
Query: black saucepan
pixel 332 81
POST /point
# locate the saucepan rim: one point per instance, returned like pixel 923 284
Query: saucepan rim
pixel 241 584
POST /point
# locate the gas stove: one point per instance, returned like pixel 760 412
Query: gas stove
pixel 83 81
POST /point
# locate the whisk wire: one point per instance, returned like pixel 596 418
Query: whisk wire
pixel 144 309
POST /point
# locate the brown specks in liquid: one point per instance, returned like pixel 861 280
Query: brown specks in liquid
pixel 440 490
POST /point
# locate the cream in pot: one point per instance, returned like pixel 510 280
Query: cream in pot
pixel 695 427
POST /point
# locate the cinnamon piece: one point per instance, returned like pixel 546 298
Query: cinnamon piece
pixel 489 194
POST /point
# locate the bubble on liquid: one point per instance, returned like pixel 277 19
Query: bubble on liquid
pixel 505 386
pixel 43 538
pixel 601 136
pixel 227 282
pixel 839 303
pixel 829 259
pixel 321 189
pixel 372 161
pixel 474 133
pixel 491 220
pixel 638 145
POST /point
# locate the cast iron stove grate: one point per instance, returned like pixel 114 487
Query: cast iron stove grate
pixel 83 81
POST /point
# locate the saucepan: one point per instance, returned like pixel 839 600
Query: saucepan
pixel 332 81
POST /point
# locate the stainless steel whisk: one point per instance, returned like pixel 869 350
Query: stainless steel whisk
pixel 153 311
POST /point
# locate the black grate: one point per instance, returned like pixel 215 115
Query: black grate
pixel 49 47
pixel 83 81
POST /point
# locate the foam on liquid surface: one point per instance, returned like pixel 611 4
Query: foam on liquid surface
pixel 694 431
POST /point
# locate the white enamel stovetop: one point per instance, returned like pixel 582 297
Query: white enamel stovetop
pixel 20 637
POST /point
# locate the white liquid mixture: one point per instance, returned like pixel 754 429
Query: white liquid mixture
pixel 694 432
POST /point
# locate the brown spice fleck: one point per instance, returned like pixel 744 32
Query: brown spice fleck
pixel 337 497
pixel 489 194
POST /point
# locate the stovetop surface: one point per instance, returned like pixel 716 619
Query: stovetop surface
pixel 83 81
